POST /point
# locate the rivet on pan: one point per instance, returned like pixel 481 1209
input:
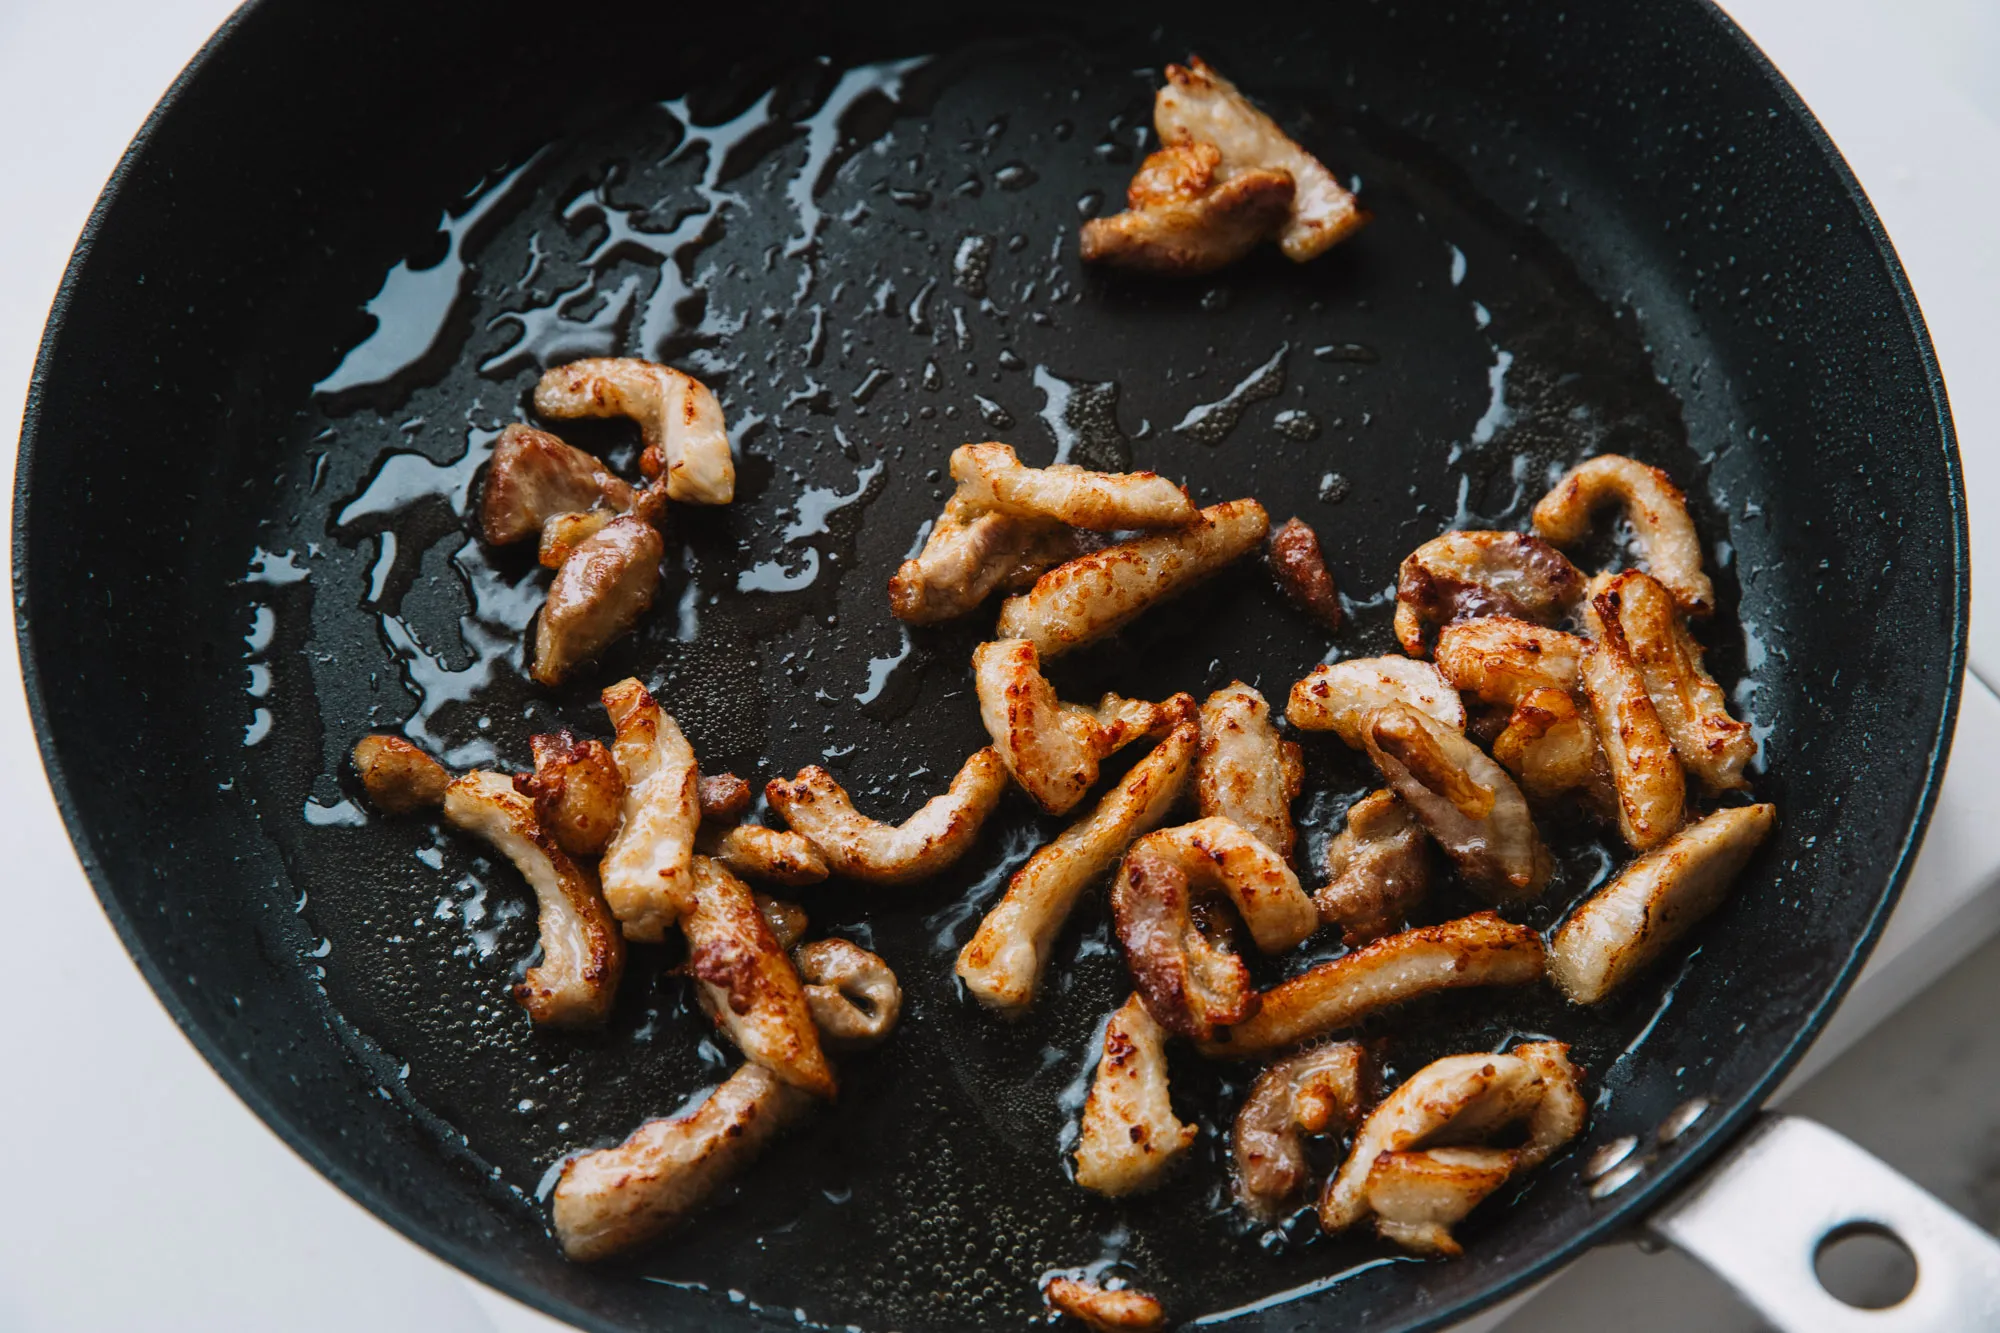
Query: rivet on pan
pixel 1681 1119
pixel 1617 1178
pixel 1610 1155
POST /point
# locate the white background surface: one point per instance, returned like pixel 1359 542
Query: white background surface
pixel 146 1197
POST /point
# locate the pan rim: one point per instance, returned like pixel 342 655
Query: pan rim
pixel 1618 1217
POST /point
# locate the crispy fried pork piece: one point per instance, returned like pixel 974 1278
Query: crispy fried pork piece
pixel 1096 594
pixel 1198 105
pixel 969 555
pixel 613 1200
pixel 787 920
pixel 582 955
pixel 1052 748
pixel 399 777
pixel 600 592
pixel 1560 1114
pixel 1550 743
pixel 1549 740
pixel 534 477
pixel 1465 801
pixel 1182 216
pixel 578 792
pixel 747 983
pixel 1003 961
pixel 1300 572
pixel 775 855
pixel 1408 1167
pixel 1378 868
pixel 1417 1197
pixel 992 478
pixel 1691 706
pixel 563 533
pixel 1465 574
pixel 1651 789
pixel 724 797
pixel 679 420
pixel 1656 509
pixel 1130 1134
pixel 1654 902
pixel 1246 772
pixel 1187 982
pixel 853 995
pixel 1222 856
pixel 646 864
pixel 817 807
pixel 1104 1309
pixel 1478 950
pixel 1317 1091
pixel 1343 697
pixel 1502 659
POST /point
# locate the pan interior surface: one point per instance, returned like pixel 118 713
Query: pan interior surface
pixel 1593 233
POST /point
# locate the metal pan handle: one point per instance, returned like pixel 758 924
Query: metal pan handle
pixel 1759 1217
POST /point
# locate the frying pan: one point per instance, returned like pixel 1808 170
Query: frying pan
pixel 335 259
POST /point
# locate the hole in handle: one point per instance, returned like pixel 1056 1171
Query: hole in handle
pixel 1865 1265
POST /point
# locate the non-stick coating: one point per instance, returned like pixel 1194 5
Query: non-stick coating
pixel 1660 254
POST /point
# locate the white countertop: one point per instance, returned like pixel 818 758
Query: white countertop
pixel 147 1197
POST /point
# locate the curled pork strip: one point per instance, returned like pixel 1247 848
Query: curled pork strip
pixel 1300 572
pixel 1417 1197
pixel 1654 901
pixel 1198 105
pixel 1646 777
pixel 1105 1309
pixel 563 533
pixel 1219 854
pixel 1130 1135
pixel 1691 706
pixel 1182 215
pixel 1500 660
pixel 1052 748
pixel 991 477
pixel 970 554
pixel 1343 697
pixel 399 777
pixel 724 797
pixel 1409 1166
pixel 1464 574
pixel 646 864
pixel 1098 593
pixel 578 792
pixel 817 807
pixel 1188 983
pixel 1656 509
pixel 534 477
pixel 1550 743
pixel 852 993
pixel 1466 801
pixel 746 982
pixel 1550 740
pixel 1378 868
pixel 600 592
pixel 1002 963
pixel 582 954
pixel 1317 1091
pixel 775 855
pixel 1246 773
pixel 1477 950
pixel 679 420
pixel 613 1200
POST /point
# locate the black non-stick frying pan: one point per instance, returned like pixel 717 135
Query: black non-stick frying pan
pixel 336 258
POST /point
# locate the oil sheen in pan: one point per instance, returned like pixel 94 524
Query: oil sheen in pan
pixel 872 266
